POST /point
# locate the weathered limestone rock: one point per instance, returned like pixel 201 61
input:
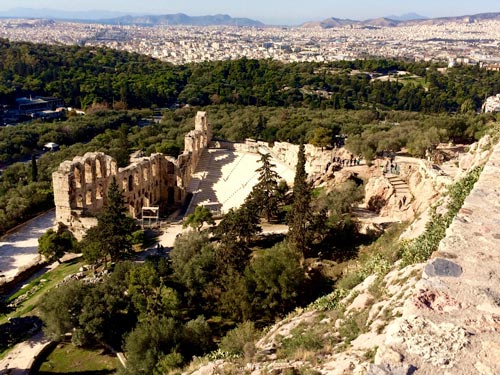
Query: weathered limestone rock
pixel 389 370
pixel 361 302
pixel 477 155
pixel 451 322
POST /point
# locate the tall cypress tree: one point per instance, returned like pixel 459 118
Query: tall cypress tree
pixel 34 168
pixel 111 236
pixel 265 192
pixel 299 218
pixel 115 225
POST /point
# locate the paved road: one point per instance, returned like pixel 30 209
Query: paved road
pixel 20 359
pixel 19 250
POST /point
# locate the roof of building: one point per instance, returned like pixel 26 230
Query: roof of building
pixel 21 101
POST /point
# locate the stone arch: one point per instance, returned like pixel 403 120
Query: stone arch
pixel 137 208
pixel 154 169
pixel 88 198
pixel 79 201
pixel 170 168
pixel 130 183
pixel 170 195
pixel 98 168
pixel 125 184
pixel 77 173
pixel 145 174
pixel 88 171
pixel 99 193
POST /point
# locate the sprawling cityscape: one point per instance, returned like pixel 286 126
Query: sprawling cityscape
pixel 205 195
pixel 462 42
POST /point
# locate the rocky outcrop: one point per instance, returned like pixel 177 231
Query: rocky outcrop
pixel 424 181
pixel 477 155
pixel 451 322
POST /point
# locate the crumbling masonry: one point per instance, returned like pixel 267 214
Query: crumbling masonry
pixel 81 185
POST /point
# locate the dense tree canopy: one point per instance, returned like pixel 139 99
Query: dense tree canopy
pixel 85 76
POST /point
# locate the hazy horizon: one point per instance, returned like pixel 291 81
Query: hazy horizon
pixel 266 11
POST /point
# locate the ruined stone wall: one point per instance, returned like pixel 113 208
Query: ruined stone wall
pixel 317 159
pixel 194 143
pixel 81 185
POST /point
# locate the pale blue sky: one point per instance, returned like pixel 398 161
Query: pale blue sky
pixel 272 11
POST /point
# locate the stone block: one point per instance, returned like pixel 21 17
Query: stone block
pixel 442 268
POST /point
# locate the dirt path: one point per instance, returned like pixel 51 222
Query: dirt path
pixel 19 250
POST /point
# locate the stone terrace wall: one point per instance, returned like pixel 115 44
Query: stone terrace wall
pixel 81 185
pixel 317 159
pixel 451 323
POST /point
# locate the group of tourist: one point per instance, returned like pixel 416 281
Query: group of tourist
pixel 347 162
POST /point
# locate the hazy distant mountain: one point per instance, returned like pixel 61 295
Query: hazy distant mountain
pixel 335 22
pixel 183 19
pixel 60 14
pixel 381 22
pixel 123 18
pixel 391 22
pixel 407 17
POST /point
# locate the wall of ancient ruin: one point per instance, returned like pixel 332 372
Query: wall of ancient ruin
pixel 81 185
pixel 317 158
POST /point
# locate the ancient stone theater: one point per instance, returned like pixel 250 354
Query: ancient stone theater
pixel 81 185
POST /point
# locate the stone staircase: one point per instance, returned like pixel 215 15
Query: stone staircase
pixel 199 174
pixel 222 180
pixel 402 192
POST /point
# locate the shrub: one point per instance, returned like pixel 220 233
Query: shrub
pixel 376 203
pixel 349 330
pixel 309 340
pixel 421 248
pixel 138 237
pixel 240 340
pixel 330 301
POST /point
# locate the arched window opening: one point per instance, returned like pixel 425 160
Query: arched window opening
pixel 88 198
pixel 130 183
pixel 78 177
pixel 98 169
pixel 88 172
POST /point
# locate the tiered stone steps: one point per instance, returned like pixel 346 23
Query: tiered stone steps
pixel 401 189
pixel 223 179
